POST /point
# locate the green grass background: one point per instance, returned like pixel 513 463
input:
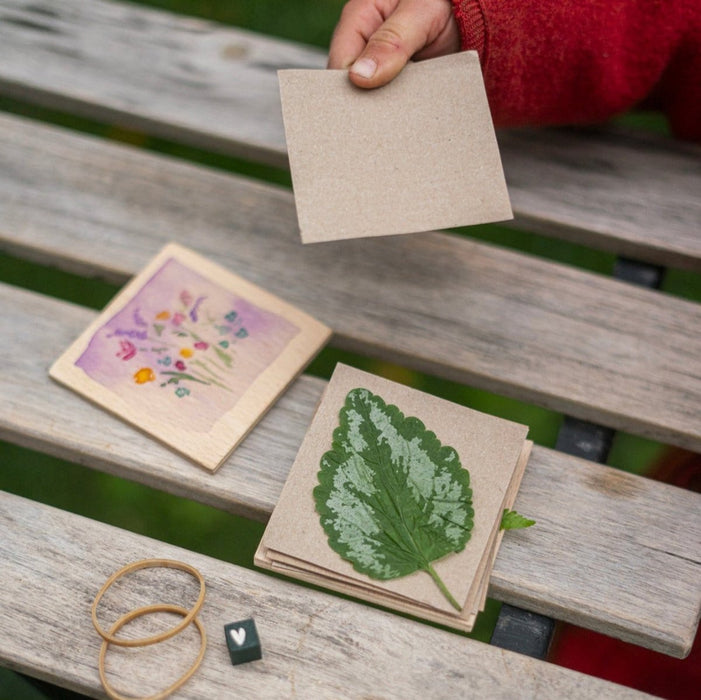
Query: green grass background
pixel 201 528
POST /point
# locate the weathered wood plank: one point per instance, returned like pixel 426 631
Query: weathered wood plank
pixel 588 346
pixel 632 194
pixel 175 77
pixel 216 88
pixel 611 551
pixel 314 645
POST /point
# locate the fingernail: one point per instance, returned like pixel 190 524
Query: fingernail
pixel 364 67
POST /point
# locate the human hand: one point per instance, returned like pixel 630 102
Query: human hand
pixel 374 39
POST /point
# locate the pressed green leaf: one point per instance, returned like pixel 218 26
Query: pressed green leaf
pixel 511 520
pixel 391 498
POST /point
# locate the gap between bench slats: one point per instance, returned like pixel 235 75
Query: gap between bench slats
pixel 314 645
pixel 582 344
pixel 216 88
pixel 611 551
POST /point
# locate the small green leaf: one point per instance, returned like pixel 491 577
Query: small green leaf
pixel 392 499
pixel 511 520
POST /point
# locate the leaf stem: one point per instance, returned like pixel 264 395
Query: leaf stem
pixel 213 378
pixel 437 579
pixel 185 375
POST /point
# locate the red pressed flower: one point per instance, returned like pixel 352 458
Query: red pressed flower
pixel 201 345
pixel 180 365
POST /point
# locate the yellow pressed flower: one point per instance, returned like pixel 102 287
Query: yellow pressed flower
pixel 145 374
pixel 186 352
pixel 163 316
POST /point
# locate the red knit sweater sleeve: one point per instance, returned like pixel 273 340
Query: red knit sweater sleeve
pixel 576 62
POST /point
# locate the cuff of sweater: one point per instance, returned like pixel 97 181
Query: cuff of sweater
pixel 471 23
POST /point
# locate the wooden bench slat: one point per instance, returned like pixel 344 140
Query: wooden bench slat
pixel 314 645
pixel 632 194
pixel 586 345
pixel 200 80
pixel 590 560
pixel 216 88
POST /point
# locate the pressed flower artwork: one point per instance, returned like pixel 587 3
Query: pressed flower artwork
pixel 187 345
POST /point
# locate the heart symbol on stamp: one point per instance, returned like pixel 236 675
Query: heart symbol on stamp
pixel 239 636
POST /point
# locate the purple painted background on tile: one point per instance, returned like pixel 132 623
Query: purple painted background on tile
pixel 196 345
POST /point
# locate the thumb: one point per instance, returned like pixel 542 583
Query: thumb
pixel 402 34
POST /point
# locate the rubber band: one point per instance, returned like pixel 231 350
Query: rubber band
pixel 145 641
pixel 139 612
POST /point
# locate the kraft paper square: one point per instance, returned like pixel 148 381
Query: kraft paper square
pixel 415 155
pixel 191 354
pixel 365 590
pixel 495 452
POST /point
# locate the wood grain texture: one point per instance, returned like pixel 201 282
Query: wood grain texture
pixel 177 77
pixel 611 551
pixel 314 645
pixel 589 346
pixel 634 194
pixel 216 88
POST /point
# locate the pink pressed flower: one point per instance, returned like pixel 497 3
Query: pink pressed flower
pixel 186 297
pixel 178 318
pixel 127 350
pixel 180 365
pixel 201 345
